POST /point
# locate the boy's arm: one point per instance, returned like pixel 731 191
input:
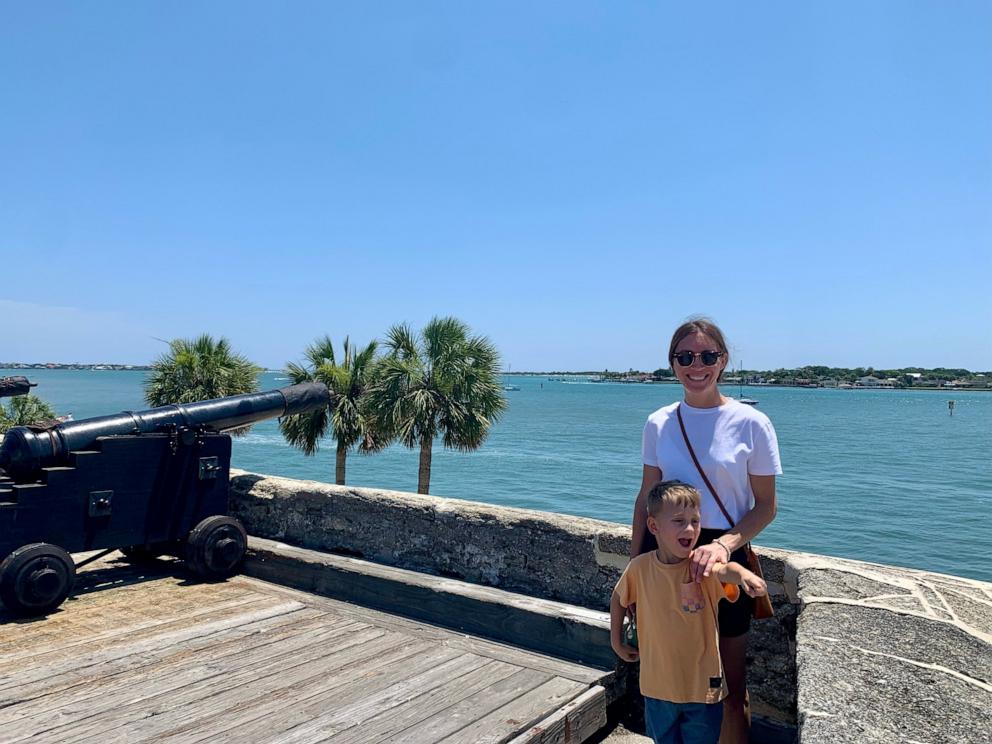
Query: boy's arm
pixel 735 573
pixel 617 613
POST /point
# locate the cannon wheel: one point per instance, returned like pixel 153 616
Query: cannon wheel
pixel 216 547
pixel 36 578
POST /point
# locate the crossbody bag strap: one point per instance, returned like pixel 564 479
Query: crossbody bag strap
pixel 688 446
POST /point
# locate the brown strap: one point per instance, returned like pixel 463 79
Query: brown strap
pixel 678 413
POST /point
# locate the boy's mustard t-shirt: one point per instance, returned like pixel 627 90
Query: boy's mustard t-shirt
pixel 677 631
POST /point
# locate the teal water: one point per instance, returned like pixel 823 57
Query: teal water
pixel 884 476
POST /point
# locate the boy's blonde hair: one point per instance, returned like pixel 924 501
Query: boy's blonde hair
pixel 672 492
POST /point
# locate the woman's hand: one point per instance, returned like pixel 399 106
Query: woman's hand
pixel 704 558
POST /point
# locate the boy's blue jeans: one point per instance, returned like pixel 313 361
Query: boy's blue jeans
pixel 682 723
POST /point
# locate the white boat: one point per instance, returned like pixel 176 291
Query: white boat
pixel 740 396
pixel 509 386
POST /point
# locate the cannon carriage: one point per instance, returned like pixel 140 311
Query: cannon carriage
pixel 149 483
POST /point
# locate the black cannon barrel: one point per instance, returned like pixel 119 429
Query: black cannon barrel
pixel 25 450
pixel 17 385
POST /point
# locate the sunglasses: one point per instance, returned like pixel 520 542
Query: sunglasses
pixel 686 358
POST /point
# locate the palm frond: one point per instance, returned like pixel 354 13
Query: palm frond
pixel 199 369
pixel 401 342
pixel 305 430
pixel 348 378
pixel 320 352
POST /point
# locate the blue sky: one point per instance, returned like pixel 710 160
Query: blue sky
pixel 571 179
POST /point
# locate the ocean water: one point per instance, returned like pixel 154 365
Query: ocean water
pixel 884 476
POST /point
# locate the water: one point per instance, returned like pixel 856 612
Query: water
pixel 884 476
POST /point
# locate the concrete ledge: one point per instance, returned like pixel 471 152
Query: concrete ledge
pixel 565 631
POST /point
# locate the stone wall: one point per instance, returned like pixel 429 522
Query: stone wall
pixel 890 654
pixel 552 556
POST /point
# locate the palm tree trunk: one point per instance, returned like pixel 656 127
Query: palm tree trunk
pixel 424 481
pixel 342 453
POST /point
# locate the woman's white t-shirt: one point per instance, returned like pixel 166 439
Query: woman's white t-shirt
pixel 731 441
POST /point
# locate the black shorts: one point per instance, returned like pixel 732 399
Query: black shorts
pixel 735 617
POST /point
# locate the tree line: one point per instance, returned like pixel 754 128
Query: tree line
pixel 904 375
pixel 412 388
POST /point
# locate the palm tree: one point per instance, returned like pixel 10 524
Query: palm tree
pixel 443 383
pixel 347 382
pixel 23 411
pixel 200 369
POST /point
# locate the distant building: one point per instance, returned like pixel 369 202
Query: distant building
pixel 870 381
pixel 963 384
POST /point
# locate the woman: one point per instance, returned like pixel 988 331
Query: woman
pixel 738 451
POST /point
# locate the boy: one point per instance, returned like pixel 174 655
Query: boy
pixel 677 635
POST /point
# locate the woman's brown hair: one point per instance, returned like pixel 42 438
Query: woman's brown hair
pixel 699 325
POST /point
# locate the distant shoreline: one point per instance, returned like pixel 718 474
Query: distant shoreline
pixel 49 366
pixel 733 384
pixel 22 367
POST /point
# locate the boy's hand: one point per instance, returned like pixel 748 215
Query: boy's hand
pixel 754 585
pixel 625 652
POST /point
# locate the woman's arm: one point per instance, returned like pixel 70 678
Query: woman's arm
pixel 705 557
pixel 649 476
pixel 765 508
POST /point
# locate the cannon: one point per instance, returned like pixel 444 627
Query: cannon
pixel 148 483
pixel 17 385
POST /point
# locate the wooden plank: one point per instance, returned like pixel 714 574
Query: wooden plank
pixel 78 682
pixel 255 717
pixel 100 680
pixel 573 723
pixel 64 639
pixel 320 723
pixel 430 703
pixel 456 717
pixel 47 667
pixel 129 692
pixel 119 614
pixel 251 692
pixel 63 631
pixel 472 644
pixel 519 714
pixel 161 697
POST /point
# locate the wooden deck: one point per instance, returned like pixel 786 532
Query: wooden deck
pixel 149 656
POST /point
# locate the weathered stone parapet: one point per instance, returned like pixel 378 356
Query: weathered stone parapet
pixel 890 654
pixel 567 559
